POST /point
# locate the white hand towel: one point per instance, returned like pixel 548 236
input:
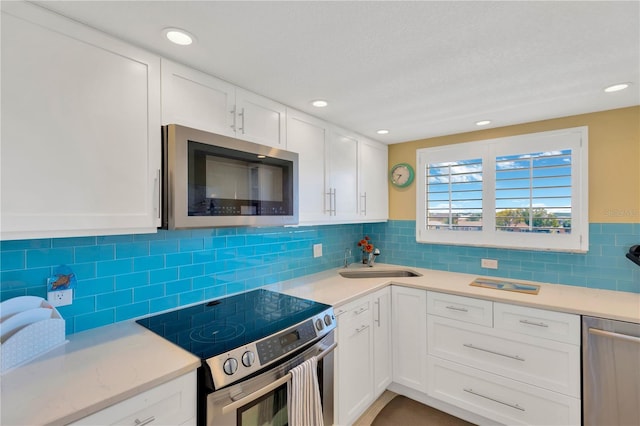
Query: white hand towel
pixel 303 395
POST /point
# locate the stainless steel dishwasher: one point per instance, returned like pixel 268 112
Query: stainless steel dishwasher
pixel 610 372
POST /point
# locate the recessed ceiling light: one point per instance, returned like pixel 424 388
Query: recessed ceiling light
pixel 262 156
pixel 617 87
pixel 483 122
pixel 319 103
pixel 382 132
pixel 178 36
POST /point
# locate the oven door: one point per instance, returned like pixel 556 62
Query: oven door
pixel 262 400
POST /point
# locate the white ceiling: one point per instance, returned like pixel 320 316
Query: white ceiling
pixel 419 69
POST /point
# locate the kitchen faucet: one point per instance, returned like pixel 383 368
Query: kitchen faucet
pixel 347 255
pixel 372 257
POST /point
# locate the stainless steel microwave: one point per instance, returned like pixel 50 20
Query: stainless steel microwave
pixel 211 180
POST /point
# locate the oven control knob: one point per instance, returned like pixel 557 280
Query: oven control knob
pixel 230 366
pixel 327 319
pixel 248 358
pixel 319 324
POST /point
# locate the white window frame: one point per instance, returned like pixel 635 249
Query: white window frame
pixel 575 139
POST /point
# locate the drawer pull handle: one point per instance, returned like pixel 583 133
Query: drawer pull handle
pixel 538 324
pixel 340 312
pixel 455 308
pixel 516 357
pixel 144 422
pixel 516 406
pixel 360 310
pixel 361 328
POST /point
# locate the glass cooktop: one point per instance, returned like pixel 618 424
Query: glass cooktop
pixel 218 326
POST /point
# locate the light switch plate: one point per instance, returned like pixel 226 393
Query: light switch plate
pixel 317 250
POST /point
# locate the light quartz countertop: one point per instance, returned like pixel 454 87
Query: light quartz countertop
pixel 92 371
pixel 100 367
pixel 331 288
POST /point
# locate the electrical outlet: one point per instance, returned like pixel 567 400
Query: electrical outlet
pixel 60 297
pixel 317 250
pixel 489 263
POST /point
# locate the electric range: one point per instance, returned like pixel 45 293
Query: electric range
pixel 238 336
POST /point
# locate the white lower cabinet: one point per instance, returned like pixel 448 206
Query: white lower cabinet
pixel 498 398
pixel 382 374
pixel 362 362
pixel 353 363
pixel 541 362
pixel 488 361
pixel 510 364
pixel 171 403
pixel 409 325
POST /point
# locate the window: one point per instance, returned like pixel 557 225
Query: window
pixel 527 192
pixel 454 195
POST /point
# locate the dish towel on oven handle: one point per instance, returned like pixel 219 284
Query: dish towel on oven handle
pixel 303 395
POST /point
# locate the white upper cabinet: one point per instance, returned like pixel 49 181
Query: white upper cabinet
pixel 342 175
pixel 307 136
pixel 80 129
pixel 373 187
pixel 260 120
pixel 195 99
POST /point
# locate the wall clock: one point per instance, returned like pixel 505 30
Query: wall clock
pixel 401 175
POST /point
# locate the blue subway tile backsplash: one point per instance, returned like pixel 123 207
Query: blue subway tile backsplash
pixel 603 267
pixel 128 276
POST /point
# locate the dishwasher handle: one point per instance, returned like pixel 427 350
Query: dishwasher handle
pixel 613 335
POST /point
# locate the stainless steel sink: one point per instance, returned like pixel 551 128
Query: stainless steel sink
pixel 379 273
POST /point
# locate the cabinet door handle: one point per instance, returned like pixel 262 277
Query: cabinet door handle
pixel 470 346
pixel 332 202
pixel 145 421
pixel 538 324
pixel 455 308
pixel 335 207
pixel 364 198
pixel 233 114
pixel 241 114
pixel 516 406
pixel 158 193
pixel 377 318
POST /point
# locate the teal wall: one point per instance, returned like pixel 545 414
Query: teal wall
pixel 128 276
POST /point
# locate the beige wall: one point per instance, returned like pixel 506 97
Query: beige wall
pixel 614 162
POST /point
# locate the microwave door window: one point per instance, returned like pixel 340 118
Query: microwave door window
pixel 227 180
pixel 224 182
pixel 268 183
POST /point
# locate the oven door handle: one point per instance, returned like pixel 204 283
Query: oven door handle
pixel 265 390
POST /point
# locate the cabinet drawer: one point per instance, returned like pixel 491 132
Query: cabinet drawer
pixel 462 308
pixel 503 400
pixel 354 309
pixel 558 326
pixel 171 403
pixel 551 365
